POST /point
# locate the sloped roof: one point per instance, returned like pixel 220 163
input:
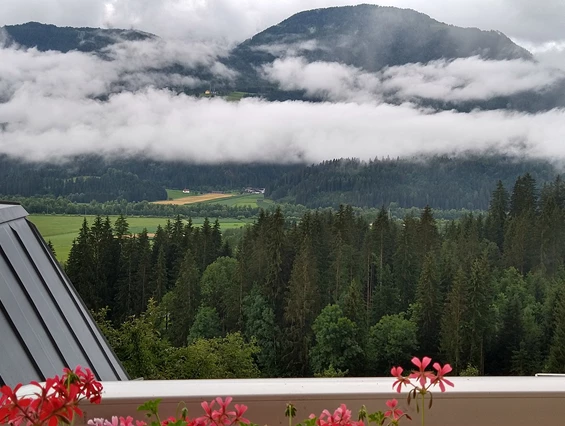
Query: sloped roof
pixel 44 325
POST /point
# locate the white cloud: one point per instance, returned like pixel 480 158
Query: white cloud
pixel 167 126
pixel 457 80
pixel 130 64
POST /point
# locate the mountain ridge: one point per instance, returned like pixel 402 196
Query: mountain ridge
pixel 369 38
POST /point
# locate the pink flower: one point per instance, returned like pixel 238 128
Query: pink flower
pixel 239 412
pixel 421 375
pixel 221 416
pixel 340 417
pixel 400 379
pixel 394 413
pixel 114 422
pixel 128 421
pixel 439 377
pixel 96 422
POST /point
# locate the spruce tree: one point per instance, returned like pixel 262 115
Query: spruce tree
pixel 451 336
pixel 302 307
pixel 80 267
pixel 478 317
pixel 556 362
pixel 428 307
pixel 143 274
pixel 186 300
pixel 497 215
pixel 160 279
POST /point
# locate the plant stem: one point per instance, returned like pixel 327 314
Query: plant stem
pixel 423 408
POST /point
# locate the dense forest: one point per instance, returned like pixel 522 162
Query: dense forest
pixel 88 178
pixel 335 294
pixel 441 182
pixel 27 179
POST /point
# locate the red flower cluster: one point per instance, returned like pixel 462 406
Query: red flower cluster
pixel 422 376
pixel 56 400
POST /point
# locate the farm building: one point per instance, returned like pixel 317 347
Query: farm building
pixel 250 190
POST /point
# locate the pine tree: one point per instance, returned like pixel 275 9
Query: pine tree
pixel 524 197
pixel 128 295
pixel 551 225
pixel 556 362
pixel 186 299
pixel 121 227
pixel 497 215
pixel 143 274
pixel 428 236
pixel 406 262
pixel 451 336
pixel 80 267
pixel 302 307
pixel 275 256
pixel 478 316
pixel 428 307
pixel 160 279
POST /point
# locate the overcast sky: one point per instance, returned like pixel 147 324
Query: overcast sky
pixel 534 21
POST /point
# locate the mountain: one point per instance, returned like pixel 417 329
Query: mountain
pixel 373 37
pixel 64 39
pixel 367 37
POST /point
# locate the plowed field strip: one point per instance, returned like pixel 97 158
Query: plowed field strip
pixel 194 199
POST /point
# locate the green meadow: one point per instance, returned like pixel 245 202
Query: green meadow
pixel 61 230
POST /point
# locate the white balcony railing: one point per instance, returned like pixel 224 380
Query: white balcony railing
pixel 475 401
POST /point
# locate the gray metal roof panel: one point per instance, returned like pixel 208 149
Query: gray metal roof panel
pixel 11 211
pixel 43 313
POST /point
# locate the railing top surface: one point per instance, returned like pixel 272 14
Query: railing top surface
pixel 324 388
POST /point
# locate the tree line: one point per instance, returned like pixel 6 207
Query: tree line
pixel 86 178
pixel 441 182
pixel 335 294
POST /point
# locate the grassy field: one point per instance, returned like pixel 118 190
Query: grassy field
pixel 62 230
pixel 235 96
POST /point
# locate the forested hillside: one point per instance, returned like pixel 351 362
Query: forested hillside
pixel 335 294
pixel 94 178
pixel 64 39
pixel 441 182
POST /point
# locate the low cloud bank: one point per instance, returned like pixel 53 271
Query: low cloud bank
pixel 167 126
pixel 459 80
pixel 54 106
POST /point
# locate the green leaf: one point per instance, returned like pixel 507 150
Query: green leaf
pixel 378 418
pixel 151 406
